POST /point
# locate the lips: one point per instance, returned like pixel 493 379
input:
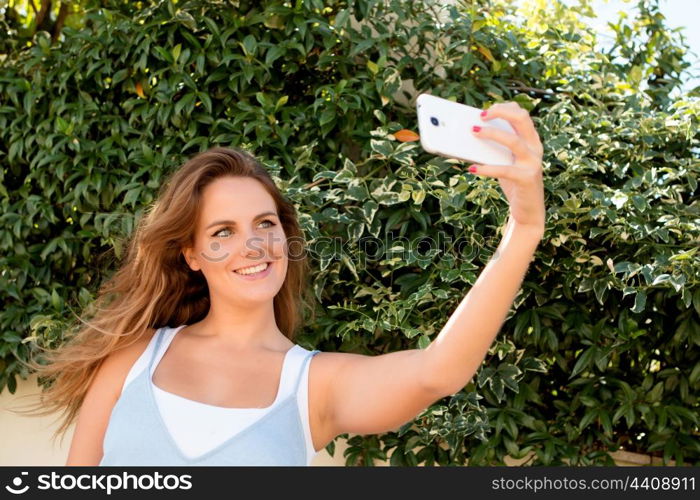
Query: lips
pixel 253 265
pixel 259 276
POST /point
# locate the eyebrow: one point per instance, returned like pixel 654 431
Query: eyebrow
pixel 233 223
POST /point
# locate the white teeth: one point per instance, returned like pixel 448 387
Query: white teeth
pixel 252 270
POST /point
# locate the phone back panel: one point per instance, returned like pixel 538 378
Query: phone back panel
pixel 453 137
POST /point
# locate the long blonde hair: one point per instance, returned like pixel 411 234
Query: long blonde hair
pixel 154 286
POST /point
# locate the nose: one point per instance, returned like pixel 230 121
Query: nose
pixel 252 246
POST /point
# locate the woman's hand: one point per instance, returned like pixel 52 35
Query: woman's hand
pixel 522 181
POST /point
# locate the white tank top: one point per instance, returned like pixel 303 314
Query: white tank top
pixel 197 427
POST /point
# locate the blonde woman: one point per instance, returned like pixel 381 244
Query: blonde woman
pixel 189 357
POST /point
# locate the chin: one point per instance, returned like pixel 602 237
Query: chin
pixel 255 292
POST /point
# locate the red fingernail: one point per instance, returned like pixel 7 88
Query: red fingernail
pixel 476 128
pixel 472 169
pixel 483 113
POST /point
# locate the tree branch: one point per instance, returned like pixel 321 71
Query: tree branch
pixel 45 9
pixel 62 14
pixel 522 87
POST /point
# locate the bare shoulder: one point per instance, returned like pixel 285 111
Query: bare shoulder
pixel 369 394
pixel 326 366
pixel 330 363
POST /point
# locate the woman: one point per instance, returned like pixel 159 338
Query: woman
pixel 191 359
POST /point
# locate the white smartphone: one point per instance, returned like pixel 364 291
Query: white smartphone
pixel 445 129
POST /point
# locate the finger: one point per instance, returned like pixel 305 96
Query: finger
pixel 519 119
pixel 512 141
pixel 496 171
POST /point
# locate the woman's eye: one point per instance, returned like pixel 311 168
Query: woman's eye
pixel 227 229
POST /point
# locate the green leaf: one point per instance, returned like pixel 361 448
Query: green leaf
pixel 599 287
pixel 327 116
pixel 511 446
pixel 382 147
pixel 588 417
pixel 212 26
pixel 661 278
pixel 694 376
pixel 176 52
pixel 605 422
pixel 248 73
pixel 696 301
pixel 640 300
pixel 423 341
pixel 369 210
pixel 274 53
pixel 639 202
pixel 206 100
pixel 496 385
pixel 48 249
pixel 262 99
pixel 186 19
pixel 635 75
pixel 341 19
pixel 61 125
pixel 249 45
pixel 132 195
pixel 418 196
pixel 584 361
pixel 164 54
pixel 655 394
pixel 326 174
pixel 187 101
pixel 56 301
pixel 281 102
pixel 274 22
pixel 355 231
pixel 343 177
pixel 119 76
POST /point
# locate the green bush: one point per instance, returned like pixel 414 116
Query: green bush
pixel 599 352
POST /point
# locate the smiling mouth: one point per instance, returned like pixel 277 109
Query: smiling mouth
pixel 257 266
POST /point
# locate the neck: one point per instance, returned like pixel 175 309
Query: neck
pixel 241 328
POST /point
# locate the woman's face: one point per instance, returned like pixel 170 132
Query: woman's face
pixel 238 227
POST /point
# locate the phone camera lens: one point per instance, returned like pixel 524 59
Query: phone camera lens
pixel 434 121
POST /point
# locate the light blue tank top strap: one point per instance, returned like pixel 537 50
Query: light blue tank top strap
pixel 136 433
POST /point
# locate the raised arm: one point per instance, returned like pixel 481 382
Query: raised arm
pixel 373 394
